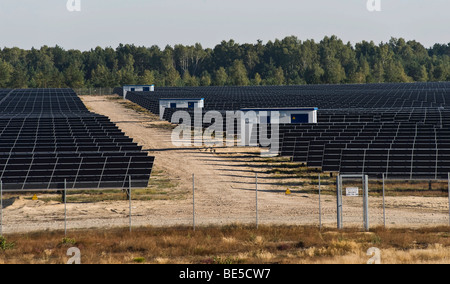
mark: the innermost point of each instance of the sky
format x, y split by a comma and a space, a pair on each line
107, 23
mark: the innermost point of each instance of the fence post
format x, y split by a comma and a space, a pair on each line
256, 183
366, 203
339, 202
384, 204
1, 208
65, 207
129, 196
193, 201
449, 195
320, 205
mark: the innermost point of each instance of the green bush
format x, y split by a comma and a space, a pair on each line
68, 241
4, 244
139, 259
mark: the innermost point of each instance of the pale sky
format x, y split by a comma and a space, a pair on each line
33, 23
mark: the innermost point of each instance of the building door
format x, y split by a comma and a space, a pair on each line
173, 105
299, 118
191, 104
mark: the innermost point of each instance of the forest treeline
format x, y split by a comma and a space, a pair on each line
289, 61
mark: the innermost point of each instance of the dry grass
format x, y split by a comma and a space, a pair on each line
231, 245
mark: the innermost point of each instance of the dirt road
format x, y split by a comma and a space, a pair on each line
225, 190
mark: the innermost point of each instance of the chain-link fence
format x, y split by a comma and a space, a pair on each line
94, 91
256, 201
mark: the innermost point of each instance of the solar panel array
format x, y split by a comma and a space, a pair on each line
399, 130
373, 96
47, 137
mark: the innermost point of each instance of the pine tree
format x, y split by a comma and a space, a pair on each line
6, 71
220, 77
148, 78
238, 74
205, 79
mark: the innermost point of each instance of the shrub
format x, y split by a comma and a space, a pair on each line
68, 241
4, 244
139, 259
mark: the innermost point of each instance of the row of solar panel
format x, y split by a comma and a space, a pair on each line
391, 96
47, 136
80, 173
389, 118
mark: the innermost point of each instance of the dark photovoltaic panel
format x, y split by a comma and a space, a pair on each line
400, 130
47, 136
325, 97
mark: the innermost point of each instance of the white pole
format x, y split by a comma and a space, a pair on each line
339, 202
449, 195
65, 208
366, 203
193, 201
320, 205
129, 196
384, 204
256, 180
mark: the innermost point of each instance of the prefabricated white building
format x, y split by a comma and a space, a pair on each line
187, 103
286, 115
137, 88
250, 118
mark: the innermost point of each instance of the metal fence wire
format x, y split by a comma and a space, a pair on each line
389, 203
94, 91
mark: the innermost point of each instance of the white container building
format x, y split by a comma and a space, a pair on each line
137, 88
186, 103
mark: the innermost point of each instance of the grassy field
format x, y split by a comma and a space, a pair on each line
234, 244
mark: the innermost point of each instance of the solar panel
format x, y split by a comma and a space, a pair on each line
47, 136
399, 122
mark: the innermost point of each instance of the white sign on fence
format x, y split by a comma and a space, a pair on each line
352, 191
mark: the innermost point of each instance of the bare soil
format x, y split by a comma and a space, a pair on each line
225, 183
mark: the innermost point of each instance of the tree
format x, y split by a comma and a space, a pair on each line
172, 77
103, 77
238, 74
314, 74
148, 78
279, 77
74, 76
190, 81
205, 79
19, 78
220, 77
440, 72
334, 72
6, 71
395, 73
275, 77
363, 73
378, 73
225, 54
282, 61
42, 80
127, 76
257, 80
